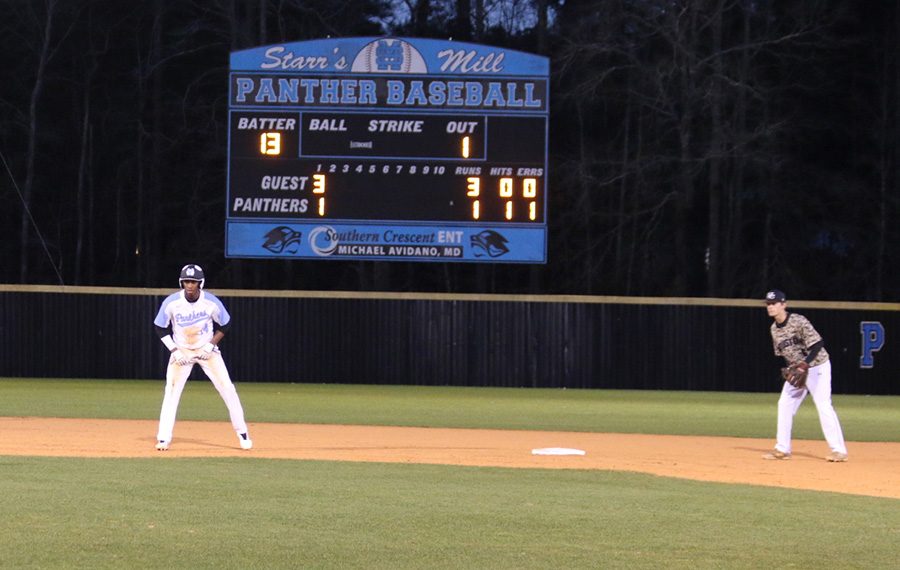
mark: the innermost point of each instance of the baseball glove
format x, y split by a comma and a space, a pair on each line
795, 374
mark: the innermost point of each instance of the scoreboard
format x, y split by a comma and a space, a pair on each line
387, 148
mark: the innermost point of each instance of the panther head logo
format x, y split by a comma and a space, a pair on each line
489, 242
282, 239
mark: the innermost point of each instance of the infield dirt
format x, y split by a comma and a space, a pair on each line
873, 469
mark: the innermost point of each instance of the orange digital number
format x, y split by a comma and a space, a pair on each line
318, 183
473, 190
318, 187
529, 188
473, 185
270, 144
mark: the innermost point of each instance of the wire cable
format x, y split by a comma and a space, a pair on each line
31, 218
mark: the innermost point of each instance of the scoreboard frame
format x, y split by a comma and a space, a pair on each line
387, 148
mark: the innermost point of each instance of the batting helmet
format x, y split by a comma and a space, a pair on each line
191, 272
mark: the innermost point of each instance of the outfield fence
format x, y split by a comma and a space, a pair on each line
444, 339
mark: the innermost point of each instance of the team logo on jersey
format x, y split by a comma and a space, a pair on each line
194, 317
490, 243
389, 56
282, 240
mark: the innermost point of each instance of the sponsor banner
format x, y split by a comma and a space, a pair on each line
386, 242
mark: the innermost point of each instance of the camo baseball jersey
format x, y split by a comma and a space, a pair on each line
792, 339
192, 323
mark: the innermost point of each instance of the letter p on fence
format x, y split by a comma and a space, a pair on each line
872, 333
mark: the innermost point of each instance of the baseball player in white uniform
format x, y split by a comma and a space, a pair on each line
794, 338
197, 320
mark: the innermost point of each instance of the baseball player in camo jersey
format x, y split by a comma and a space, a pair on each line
794, 339
198, 321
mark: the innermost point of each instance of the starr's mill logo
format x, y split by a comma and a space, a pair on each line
389, 56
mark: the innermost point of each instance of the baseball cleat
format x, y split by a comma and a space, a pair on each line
836, 457
777, 455
246, 442
162, 445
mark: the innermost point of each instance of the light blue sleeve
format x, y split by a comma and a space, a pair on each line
224, 317
162, 317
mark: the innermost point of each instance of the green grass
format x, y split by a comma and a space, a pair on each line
248, 512
864, 418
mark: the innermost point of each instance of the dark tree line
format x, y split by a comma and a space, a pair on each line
698, 148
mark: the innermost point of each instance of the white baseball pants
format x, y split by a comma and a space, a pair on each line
176, 379
818, 384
